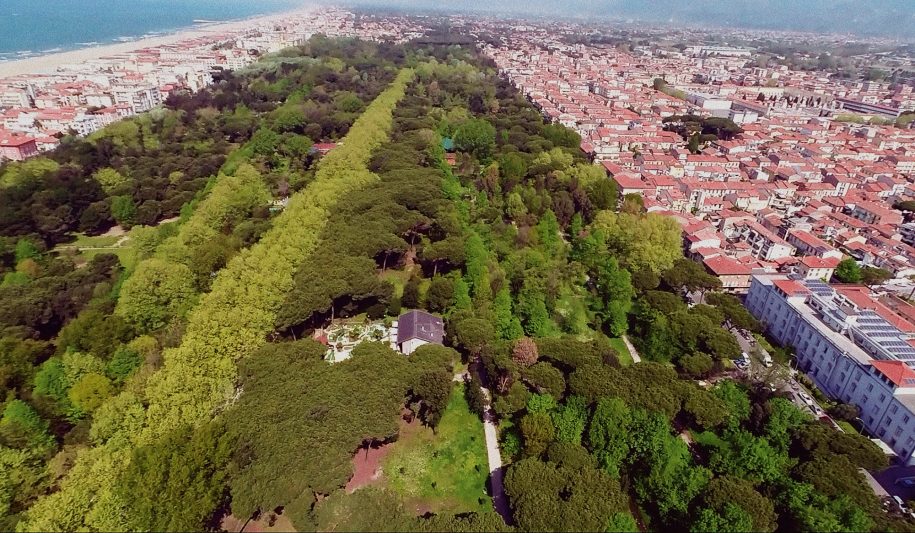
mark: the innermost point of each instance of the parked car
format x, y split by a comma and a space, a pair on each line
907, 482
806, 398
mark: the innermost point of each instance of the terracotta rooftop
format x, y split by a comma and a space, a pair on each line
896, 371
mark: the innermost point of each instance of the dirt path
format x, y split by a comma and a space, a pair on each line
367, 466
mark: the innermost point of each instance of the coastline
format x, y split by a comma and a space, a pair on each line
49, 63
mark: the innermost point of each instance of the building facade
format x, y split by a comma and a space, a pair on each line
845, 343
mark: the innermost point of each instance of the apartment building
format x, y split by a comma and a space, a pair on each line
764, 244
849, 345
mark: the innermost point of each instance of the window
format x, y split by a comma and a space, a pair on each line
905, 419
894, 409
897, 432
882, 398
870, 387
886, 421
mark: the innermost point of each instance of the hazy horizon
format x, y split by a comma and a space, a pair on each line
887, 18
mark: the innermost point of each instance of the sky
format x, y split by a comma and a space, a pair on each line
892, 18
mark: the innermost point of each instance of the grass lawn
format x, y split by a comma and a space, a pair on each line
100, 241
84, 248
620, 347
398, 279
126, 254
846, 426
778, 354
445, 471
707, 438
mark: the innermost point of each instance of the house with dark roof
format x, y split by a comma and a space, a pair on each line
416, 328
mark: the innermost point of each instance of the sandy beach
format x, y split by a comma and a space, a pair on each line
49, 63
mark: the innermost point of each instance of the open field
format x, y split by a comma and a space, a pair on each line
444, 470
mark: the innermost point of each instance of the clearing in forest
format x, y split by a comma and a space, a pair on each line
445, 470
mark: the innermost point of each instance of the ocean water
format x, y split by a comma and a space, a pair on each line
35, 27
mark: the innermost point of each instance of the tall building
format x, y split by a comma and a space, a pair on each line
853, 347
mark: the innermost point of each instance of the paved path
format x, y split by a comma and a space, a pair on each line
632, 351
495, 461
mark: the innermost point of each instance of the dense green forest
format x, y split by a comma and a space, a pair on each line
178, 389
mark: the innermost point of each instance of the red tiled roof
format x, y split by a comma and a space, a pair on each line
896, 371
722, 265
812, 261
790, 287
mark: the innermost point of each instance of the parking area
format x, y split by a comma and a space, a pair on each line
887, 480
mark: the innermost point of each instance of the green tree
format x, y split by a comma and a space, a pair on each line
123, 363
410, 297
622, 522
728, 490
477, 137
21, 427
608, 434
462, 294
531, 305
614, 290
642, 242
553, 497
477, 268
750, 457
538, 432
26, 249
507, 324
548, 233
90, 391
123, 210
110, 179
735, 314
697, 365
264, 142
440, 295
474, 334
848, 271
686, 275
570, 420
872, 276
177, 483
784, 418
157, 292
515, 207
736, 401
729, 518
546, 378
603, 194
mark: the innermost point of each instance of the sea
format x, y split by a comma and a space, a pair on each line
30, 28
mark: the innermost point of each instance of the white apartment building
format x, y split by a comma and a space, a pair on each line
764, 244
845, 345
908, 233
139, 98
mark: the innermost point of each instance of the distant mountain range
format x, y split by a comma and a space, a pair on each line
888, 18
